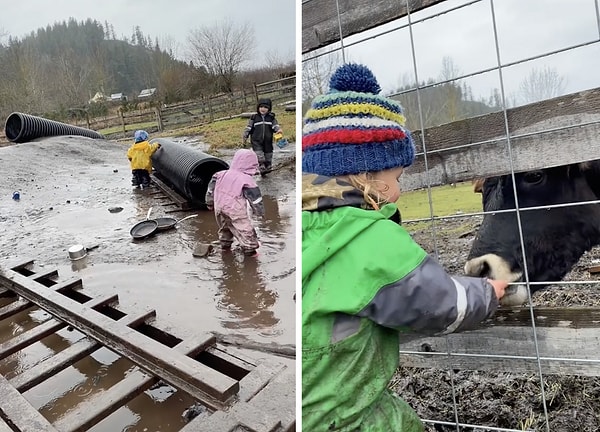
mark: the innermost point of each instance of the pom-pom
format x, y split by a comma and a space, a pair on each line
354, 77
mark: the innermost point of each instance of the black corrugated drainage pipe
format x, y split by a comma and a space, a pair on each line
21, 127
187, 169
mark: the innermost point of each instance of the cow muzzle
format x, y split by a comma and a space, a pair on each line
492, 266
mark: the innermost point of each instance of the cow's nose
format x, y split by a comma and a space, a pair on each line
478, 267
491, 266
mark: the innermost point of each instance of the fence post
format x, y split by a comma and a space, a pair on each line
255, 92
122, 117
210, 110
159, 121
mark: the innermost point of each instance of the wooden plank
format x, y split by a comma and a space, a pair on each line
198, 380
256, 380
29, 337
33, 335
241, 341
272, 409
20, 412
320, 18
14, 308
51, 366
563, 317
4, 427
20, 305
44, 275
173, 195
567, 345
102, 404
550, 133
6, 293
20, 264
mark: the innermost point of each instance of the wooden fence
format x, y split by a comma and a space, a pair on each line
282, 92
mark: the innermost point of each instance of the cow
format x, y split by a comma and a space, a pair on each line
554, 239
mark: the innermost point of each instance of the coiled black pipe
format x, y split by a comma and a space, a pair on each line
21, 127
188, 170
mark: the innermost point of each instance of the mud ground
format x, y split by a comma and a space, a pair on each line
503, 399
67, 186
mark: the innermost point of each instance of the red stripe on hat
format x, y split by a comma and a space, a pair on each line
352, 136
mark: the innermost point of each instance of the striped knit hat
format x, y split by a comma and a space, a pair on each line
352, 129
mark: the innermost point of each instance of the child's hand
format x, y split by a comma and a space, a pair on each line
210, 208
499, 287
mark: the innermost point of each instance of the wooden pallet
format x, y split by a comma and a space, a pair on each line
171, 197
237, 392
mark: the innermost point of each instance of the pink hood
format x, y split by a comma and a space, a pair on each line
228, 188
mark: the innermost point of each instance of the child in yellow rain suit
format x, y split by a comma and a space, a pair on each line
140, 156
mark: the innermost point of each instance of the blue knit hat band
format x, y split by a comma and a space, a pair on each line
336, 160
352, 129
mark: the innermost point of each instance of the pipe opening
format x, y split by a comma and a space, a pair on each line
13, 127
200, 177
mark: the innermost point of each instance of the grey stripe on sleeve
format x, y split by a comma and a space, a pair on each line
461, 306
344, 326
428, 300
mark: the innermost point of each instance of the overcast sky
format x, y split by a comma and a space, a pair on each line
274, 22
525, 29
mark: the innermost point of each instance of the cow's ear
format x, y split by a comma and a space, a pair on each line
591, 171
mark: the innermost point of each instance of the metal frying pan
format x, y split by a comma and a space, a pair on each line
165, 223
145, 228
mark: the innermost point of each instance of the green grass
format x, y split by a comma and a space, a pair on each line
446, 201
222, 134
128, 127
226, 134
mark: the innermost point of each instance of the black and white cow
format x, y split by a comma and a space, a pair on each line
554, 239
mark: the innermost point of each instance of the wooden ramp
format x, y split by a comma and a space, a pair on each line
234, 391
169, 197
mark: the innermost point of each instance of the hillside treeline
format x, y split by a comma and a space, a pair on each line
56, 70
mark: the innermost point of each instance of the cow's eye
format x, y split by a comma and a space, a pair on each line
533, 177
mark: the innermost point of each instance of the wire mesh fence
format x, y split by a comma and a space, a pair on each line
503, 91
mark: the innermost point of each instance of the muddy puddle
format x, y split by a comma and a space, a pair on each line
66, 186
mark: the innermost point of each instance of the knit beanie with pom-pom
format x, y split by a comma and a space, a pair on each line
352, 129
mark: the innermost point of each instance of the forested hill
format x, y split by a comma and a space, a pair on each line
62, 66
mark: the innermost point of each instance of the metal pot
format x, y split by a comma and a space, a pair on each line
76, 252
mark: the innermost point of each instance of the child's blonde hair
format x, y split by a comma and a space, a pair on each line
368, 185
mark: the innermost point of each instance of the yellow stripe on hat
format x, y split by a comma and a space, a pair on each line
354, 109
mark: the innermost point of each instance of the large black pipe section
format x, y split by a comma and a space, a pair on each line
21, 127
186, 169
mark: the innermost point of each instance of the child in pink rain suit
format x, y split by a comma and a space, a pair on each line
229, 193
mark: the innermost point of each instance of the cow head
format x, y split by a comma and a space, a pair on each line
554, 239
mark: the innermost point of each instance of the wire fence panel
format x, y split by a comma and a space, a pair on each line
502, 98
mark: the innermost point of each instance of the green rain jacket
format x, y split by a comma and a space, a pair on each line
363, 280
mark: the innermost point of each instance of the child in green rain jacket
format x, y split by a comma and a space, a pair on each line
363, 277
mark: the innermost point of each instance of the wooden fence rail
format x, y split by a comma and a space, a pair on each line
554, 132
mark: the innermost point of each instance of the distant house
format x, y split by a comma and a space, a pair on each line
147, 93
118, 97
98, 97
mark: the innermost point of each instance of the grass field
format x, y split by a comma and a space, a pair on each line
221, 134
228, 133
446, 201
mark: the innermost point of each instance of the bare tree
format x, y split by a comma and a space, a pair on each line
222, 49
541, 85
315, 76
